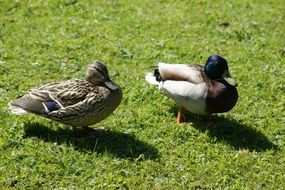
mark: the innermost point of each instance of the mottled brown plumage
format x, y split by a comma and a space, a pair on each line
77, 102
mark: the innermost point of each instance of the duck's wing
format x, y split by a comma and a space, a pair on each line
78, 110
186, 84
51, 97
26, 104
66, 93
193, 73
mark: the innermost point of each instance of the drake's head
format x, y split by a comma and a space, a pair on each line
97, 73
216, 68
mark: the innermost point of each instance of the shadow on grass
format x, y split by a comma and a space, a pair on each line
118, 144
231, 132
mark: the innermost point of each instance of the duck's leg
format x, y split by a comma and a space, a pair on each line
74, 132
209, 118
93, 130
86, 131
179, 114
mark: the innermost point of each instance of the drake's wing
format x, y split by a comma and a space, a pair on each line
182, 72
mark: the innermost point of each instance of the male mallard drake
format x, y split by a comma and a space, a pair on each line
77, 102
200, 89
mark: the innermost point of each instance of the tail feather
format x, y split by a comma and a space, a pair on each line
27, 104
17, 110
154, 78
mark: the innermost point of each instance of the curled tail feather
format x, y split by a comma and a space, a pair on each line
154, 78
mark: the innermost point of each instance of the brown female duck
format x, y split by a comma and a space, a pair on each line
77, 102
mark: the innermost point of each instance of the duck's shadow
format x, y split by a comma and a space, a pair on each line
120, 145
231, 132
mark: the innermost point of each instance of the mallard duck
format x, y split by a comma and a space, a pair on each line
77, 102
200, 89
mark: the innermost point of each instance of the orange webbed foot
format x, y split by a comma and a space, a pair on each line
179, 114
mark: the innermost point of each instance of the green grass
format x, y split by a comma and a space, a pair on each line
143, 147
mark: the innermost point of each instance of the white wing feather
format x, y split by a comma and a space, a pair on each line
188, 73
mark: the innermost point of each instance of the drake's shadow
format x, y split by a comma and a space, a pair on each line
120, 145
231, 132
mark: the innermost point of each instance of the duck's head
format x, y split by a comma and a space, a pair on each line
216, 68
97, 74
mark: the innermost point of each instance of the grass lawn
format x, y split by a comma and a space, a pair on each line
143, 147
